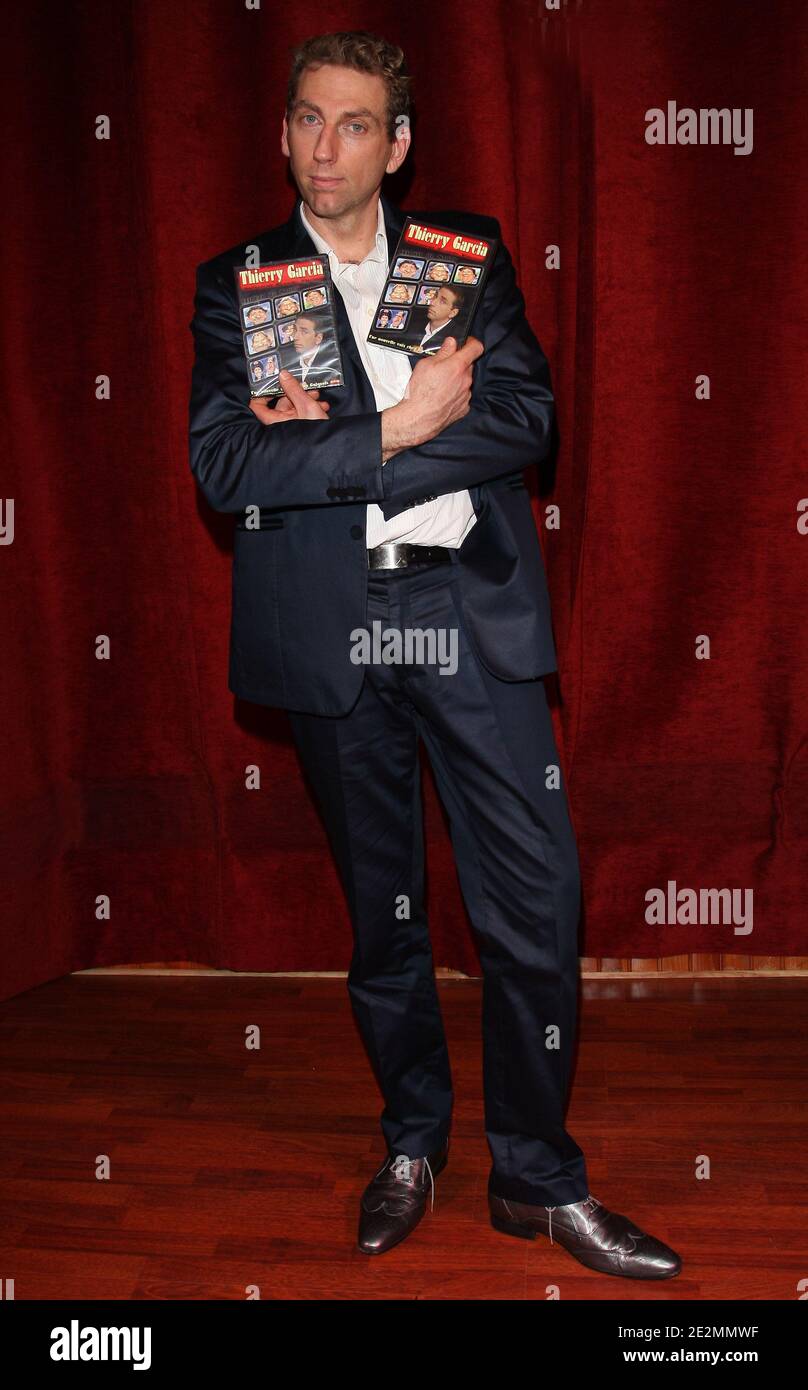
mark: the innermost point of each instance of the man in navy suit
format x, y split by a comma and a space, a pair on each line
445, 310
395, 508
317, 355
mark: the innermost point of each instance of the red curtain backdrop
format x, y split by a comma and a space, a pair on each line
678, 516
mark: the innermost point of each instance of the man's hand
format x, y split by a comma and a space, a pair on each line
439, 394
295, 404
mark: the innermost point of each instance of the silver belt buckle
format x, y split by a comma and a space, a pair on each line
387, 555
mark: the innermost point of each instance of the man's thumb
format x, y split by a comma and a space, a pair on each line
291, 386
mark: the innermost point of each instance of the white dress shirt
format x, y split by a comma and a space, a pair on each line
448, 520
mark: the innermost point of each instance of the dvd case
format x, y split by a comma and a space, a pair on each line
434, 283
288, 321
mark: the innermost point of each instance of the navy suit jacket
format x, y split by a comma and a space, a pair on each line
300, 577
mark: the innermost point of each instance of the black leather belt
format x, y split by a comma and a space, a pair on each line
395, 555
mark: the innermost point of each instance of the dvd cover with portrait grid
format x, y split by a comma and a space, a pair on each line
433, 286
288, 321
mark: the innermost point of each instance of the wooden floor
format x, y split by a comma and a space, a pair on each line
231, 1168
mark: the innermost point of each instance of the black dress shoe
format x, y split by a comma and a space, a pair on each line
395, 1200
602, 1239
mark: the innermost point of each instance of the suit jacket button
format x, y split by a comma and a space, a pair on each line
356, 532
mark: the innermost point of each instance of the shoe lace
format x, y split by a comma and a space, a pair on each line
401, 1168
591, 1201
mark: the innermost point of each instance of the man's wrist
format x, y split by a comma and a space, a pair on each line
397, 431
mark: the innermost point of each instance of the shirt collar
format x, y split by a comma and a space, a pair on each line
378, 251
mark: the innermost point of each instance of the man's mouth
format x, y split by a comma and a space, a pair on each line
322, 181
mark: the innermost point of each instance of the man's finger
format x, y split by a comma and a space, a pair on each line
305, 407
472, 348
292, 388
271, 415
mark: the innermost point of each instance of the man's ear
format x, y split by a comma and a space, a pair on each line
401, 144
285, 138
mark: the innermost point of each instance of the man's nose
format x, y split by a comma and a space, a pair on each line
326, 144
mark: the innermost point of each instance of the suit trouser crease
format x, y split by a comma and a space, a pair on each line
489, 742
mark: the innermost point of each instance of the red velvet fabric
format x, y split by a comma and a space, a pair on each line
126, 777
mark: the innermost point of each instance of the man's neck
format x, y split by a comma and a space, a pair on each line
353, 234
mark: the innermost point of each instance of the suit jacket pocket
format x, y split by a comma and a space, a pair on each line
269, 521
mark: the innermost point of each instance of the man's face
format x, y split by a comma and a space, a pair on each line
442, 307
336, 139
306, 339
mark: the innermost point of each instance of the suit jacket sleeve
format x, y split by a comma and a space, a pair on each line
236, 459
510, 419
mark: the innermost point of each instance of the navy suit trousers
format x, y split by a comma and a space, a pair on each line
492, 749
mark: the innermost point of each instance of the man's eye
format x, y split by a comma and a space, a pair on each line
309, 117
357, 126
